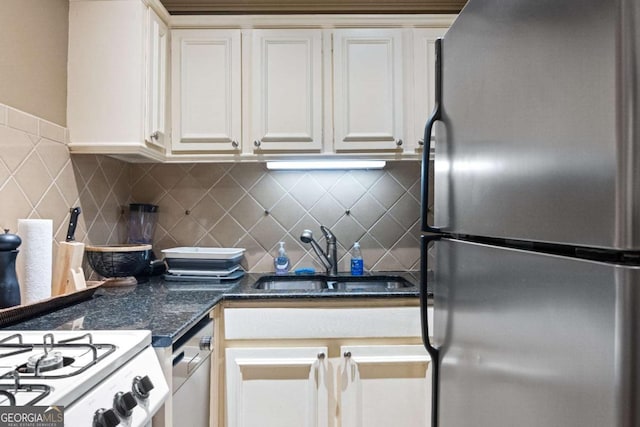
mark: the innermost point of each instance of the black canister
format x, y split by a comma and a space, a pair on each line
9, 287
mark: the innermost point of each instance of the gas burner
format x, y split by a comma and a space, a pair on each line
49, 358
44, 362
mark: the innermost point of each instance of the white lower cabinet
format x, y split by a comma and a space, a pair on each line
354, 373
384, 385
366, 386
277, 386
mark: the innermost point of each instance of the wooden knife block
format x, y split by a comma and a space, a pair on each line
68, 275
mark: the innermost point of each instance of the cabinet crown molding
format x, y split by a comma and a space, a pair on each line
312, 21
176, 7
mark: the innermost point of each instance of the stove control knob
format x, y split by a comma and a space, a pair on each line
206, 343
105, 418
142, 386
124, 403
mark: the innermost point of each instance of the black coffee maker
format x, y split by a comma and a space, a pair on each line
143, 218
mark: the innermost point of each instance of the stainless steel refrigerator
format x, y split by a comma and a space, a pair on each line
535, 240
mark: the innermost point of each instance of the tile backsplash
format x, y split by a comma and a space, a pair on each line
39, 179
245, 205
228, 205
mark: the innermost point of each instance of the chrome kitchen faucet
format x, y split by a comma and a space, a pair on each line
329, 258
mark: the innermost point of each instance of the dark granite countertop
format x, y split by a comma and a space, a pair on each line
169, 309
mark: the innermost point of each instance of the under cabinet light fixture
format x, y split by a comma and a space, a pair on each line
326, 164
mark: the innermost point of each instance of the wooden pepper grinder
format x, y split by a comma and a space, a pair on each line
9, 287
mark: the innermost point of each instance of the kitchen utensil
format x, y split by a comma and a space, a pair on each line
119, 263
9, 287
68, 275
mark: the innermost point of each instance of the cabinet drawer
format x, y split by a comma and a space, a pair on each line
305, 323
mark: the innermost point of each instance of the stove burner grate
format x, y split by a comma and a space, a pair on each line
51, 358
37, 392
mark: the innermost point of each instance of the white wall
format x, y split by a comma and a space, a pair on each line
33, 57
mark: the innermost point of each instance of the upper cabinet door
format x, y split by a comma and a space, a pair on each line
157, 63
206, 98
286, 90
368, 89
424, 40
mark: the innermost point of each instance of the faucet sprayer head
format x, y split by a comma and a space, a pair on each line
306, 236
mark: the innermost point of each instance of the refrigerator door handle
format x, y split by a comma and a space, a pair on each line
424, 294
435, 115
433, 351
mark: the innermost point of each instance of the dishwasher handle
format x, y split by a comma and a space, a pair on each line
186, 363
191, 351
177, 358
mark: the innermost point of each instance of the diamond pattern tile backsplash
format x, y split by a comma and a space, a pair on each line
228, 205
245, 205
39, 179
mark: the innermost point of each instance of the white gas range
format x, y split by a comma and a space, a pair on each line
101, 378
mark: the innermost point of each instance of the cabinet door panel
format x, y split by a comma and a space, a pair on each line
424, 79
368, 92
385, 385
157, 62
287, 90
278, 387
206, 90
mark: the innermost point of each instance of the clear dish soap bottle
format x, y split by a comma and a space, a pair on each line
357, 264
281, 262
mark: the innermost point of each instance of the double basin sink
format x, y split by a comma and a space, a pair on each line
338, 283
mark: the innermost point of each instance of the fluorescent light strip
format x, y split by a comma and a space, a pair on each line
326, 164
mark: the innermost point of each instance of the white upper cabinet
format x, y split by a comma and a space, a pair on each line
116, 83
206, 95
424, 40
286, 90
368, 97
157, 63
146, 86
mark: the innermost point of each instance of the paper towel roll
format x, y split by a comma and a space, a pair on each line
35, 259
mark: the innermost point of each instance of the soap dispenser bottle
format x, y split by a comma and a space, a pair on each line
281, 262
9, 287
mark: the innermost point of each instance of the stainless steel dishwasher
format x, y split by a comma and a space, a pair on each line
192, 376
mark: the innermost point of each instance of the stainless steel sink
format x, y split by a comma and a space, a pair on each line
289, 283
340, 283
